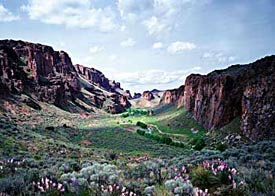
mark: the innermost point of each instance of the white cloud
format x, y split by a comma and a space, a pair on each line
231, 58
158, 16
151, 77
207, 55
122, 28
226, 59
130, 7
219, 56
178, 46
154, 26
113, 57
6, 15
96, 49
128, 43
71, 13
157, 45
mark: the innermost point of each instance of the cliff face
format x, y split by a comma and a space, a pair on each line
13, 78
96, 77
41, 59
240, 90
49, 76
258, 105
148, 95
173, 96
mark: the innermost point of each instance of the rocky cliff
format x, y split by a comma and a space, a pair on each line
98, 78
240, 90
173, 96
49, 76
148, 95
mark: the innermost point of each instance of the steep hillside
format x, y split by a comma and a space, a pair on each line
49, 76
173, 96
240, 90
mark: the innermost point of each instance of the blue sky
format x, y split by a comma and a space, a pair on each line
146, 44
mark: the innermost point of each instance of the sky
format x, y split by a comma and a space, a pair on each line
146, 44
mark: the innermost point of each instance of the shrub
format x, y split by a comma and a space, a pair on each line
202, 177
199, 144
166, 140
221, 147
93, 177
260, 182
149, 191
140, 132
125, 115
141, 124
179, 187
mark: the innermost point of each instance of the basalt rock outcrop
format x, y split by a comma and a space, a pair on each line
49, 76
97, 77
148, 95
240, 90
173, 96
128, 94
136, 95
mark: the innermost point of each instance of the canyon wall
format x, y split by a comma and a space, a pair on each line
240, 90
49, 76
217, 98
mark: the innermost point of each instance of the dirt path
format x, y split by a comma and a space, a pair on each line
164, 133
132, 128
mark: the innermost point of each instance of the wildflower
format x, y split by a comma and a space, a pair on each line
47, 180
206, 164
183, 169
242, 183
41, 188
234, 184
59, 186
47, 186
221, 167
233, 171
186, 178
110, 188
123, 189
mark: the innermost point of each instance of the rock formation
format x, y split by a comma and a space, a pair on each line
128, 94
49, 76
96, 77
136, 95
148, 95
240, 90
173, 96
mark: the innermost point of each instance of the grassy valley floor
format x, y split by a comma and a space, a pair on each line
54, 152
